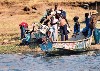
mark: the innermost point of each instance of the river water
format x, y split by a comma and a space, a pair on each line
89, 61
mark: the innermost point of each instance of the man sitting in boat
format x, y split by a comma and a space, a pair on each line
54, 28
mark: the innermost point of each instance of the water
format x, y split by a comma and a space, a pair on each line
89, 61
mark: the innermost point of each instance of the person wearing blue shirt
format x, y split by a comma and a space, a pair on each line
87, 21
76, 25
27, 39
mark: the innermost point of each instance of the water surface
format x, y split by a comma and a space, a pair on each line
28, 62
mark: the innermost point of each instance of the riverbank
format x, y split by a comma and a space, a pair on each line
14, 48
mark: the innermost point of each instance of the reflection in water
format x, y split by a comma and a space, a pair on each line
89, 61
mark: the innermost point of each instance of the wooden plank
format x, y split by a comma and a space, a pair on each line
64, 41
71, 41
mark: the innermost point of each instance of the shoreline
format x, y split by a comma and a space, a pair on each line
16, 49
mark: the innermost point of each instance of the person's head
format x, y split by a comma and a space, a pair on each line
60, 9
63, 17
86, 15
48, 11
94, 18
27, 31
76, 19
93, 13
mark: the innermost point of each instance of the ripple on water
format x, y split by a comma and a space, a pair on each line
27, 62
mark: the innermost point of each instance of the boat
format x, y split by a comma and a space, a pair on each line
76, 43
79, 45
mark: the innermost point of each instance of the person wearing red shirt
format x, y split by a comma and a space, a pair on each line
23, 26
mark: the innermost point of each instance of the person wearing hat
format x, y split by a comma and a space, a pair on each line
76, 25
23, 26
92, 24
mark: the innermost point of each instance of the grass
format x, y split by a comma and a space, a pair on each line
9, 49
15, 48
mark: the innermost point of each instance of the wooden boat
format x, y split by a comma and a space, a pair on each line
76, 43
79, 45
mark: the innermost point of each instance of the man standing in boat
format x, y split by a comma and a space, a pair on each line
87, 21
92, 25
63, 28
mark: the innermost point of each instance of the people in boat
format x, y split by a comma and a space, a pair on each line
92, 24
23, 26
53, 24
87, 21
76, 25
63, 28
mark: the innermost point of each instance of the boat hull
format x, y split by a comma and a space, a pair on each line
79, 45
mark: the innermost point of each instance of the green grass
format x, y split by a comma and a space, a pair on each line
9, 49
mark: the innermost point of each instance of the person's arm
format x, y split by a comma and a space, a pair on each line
48, 17
31, 31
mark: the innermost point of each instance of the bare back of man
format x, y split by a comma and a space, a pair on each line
62, 22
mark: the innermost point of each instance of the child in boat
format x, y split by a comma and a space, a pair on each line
76, 25
87, 21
